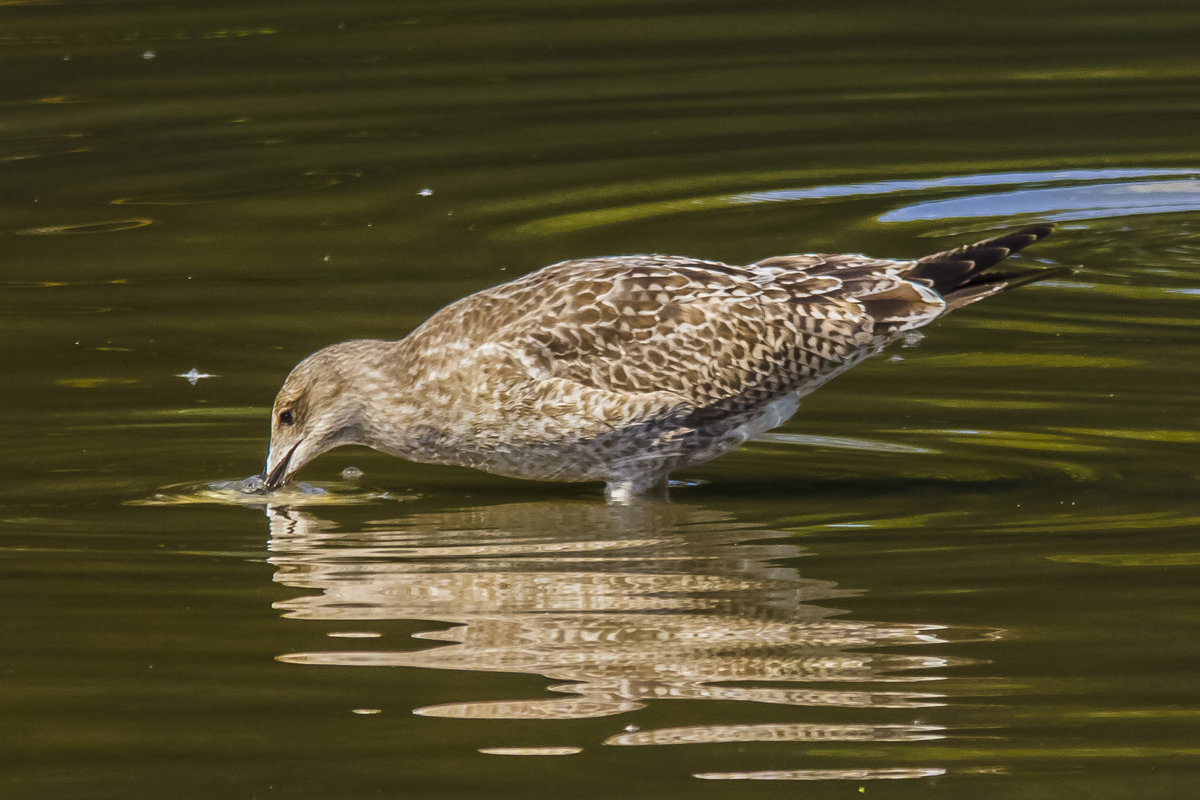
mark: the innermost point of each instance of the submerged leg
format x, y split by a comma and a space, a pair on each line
619, 493
660, 490
622, 493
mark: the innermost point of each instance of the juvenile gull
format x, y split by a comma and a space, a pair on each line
621, 369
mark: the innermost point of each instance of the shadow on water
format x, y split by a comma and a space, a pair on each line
620, 607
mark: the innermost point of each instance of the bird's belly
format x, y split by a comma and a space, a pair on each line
642, 452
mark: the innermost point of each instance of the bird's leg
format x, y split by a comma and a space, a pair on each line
619, 493
622, 493
661, 490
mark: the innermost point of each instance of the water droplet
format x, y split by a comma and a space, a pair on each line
193, 376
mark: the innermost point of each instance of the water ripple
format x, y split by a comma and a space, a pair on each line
892, 773
1050, 194
1061, 203
75, 229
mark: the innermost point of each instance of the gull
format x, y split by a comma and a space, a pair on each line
622, 369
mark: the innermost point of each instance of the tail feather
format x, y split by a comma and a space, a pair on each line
963, 275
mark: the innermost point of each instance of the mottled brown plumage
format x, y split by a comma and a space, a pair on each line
621, 369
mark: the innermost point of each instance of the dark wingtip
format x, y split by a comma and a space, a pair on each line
991, 283
1019, 240
965, 274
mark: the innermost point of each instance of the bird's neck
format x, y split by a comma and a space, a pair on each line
406, 410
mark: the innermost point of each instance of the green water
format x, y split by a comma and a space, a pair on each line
968, 566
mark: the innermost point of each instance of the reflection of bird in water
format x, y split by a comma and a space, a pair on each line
621, 369
618, 605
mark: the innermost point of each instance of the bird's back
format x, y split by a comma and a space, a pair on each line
623, 368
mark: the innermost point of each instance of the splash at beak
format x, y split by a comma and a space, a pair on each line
278, 475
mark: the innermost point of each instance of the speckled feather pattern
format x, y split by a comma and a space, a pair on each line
622, 369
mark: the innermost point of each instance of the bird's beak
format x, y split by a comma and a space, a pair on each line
276, 476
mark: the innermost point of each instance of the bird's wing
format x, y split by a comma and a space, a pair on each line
714, 338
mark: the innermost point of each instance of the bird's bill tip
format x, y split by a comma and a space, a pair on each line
276, 475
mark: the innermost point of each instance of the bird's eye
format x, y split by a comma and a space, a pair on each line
285, 417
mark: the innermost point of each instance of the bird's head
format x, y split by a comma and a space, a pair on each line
320, 407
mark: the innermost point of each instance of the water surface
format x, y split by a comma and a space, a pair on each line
968, 566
